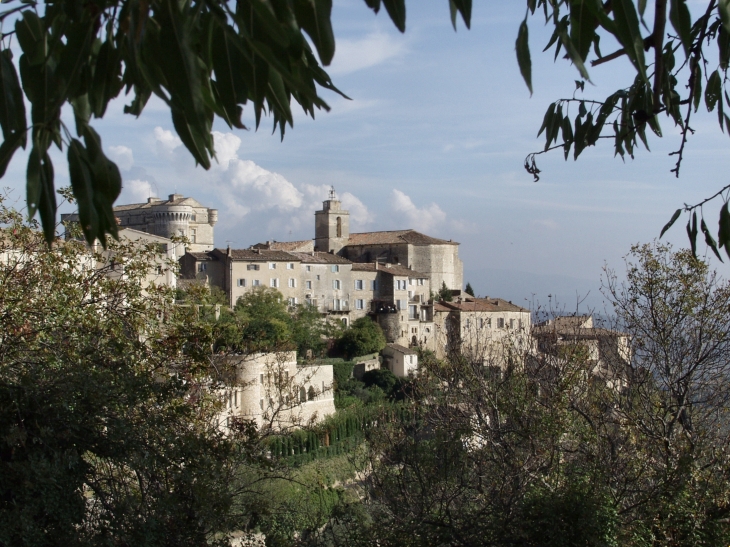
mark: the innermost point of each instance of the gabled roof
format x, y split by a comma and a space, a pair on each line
258, 255
304, 246
401, 349
411, 237
320, 258
480, 305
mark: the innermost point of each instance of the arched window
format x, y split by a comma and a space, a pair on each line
339, 226
302, 395
312, 394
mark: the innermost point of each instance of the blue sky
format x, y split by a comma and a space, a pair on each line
434, 139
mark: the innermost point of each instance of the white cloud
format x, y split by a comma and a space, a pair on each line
166, 141
122, 156
366, 52
138, 190
423, 219
359, 213
226, 146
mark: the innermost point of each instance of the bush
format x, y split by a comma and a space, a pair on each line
363, 337
342, 372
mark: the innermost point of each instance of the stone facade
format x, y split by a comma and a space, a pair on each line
273, 391
176, 216
401, 361
482, 329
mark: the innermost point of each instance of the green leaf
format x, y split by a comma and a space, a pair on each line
397, 11
709, 239
32, 37
697, 91
723, 234
40, 193
713, 92
82, 185
672, 220
582, 27
107, 184
692, 233
464, 8
628, 33
547, 119
723, 45
523, 57
314, 17
682, 22
8, 149
723, 10
12, 106
229, 66
574, 54
106, 83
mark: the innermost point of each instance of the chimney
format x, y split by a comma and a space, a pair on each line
228, 250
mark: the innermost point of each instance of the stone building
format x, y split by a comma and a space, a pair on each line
175, 216
273, 391
482, 329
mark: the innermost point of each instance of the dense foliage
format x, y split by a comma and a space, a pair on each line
106, 436
362, 338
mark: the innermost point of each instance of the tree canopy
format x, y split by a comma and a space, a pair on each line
679, 60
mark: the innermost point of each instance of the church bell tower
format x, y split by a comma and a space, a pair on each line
331, 225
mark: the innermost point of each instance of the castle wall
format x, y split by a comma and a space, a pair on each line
441, 262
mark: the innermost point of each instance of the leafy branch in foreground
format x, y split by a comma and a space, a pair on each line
203, 59
681, 63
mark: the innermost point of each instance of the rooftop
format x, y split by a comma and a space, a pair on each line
401, 349
480, 305
320, 258
304, 246
257, 255
396, 236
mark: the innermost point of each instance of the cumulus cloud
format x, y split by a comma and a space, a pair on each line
122, 156
226, 146
138, 190
424, 218
359, 214
365, 52
166, 141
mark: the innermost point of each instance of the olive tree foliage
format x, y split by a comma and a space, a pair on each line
106, 430
680, 61
202, 59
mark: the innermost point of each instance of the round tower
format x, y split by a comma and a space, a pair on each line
172, 220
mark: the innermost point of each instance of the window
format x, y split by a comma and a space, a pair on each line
411, 281
202, 267
272, 265
241, 283
373, 285
410, 295
193, 217
192, 235
308, 284
290, 266
401, 304
318, 278
253, 267
500, 323
358, 284
339, 227
489, 322
521, 325
468, 322
511, 323
292, 282
335, 268
255, 283
261, 379
359, 304
336, 304
420, 280
309, 268
412, 312
159, 270
274, 283
292, 301
261, 404
336, 284
481, 323
401, 284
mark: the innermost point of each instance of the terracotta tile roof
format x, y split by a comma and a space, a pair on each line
481, 305
440, 307
394, 237
320, 258
304, 246
363, 266
251, 255
202, 256
396, 269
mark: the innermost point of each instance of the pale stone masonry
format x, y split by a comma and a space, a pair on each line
176, 216
274, 391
